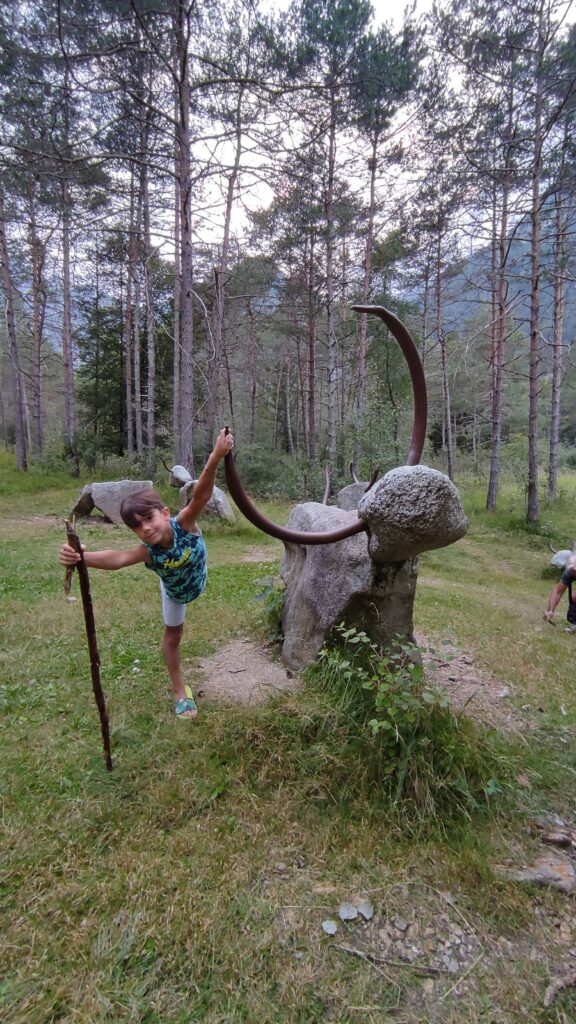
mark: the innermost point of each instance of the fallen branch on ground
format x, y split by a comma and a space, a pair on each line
556, 986
375, 959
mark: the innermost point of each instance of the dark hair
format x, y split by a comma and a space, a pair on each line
141, 504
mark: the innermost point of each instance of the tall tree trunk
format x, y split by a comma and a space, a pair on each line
3, 414
492, 490
426, 310
67, 350
37, 257
177, 345
302, 428
289, 437
444, 363
330, 327
17, 391
346, 390
182, 31
129, 320
311, 353
252, 370
150, 326
96, 375
535, 216
276, 405
557, 338
501, 326
363, 320
298, 409
229, 387
137, 368
220, 281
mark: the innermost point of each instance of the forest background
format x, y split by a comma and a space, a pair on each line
192, 195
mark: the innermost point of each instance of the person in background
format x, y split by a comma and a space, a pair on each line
565, 583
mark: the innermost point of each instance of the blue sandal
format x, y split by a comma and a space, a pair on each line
184, 706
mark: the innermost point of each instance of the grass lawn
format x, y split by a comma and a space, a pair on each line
191, 883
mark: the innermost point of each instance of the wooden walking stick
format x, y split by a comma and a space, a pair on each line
74, 542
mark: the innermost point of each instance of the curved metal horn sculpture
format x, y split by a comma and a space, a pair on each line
399, 332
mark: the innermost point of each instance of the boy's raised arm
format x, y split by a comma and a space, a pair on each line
205, 484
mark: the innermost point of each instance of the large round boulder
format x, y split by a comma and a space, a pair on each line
410, 510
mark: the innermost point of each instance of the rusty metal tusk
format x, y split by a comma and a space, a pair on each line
372, 481
410, 352
282, 532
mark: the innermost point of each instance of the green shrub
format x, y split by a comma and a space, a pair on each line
271, 597
271, 474
429, 762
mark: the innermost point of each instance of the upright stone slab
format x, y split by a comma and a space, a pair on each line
349, 496
85, 504
331, 583
179, 476
217, 506
107, 497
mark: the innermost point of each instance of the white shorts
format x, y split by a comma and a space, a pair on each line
173, 613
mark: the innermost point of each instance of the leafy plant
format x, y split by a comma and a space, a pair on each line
396, 680
271, 596
428, 759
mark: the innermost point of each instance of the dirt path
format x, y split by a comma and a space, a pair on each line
246, 671
471, 689
243, 671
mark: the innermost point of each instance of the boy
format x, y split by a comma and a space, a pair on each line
566, 580
174, 548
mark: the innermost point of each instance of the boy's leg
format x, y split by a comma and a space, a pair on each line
173, 632
171, 651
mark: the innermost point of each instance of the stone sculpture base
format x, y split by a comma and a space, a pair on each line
339, 582
368, 580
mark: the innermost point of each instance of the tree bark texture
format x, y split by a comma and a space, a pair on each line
330, 241
37, 258
363, 320
561, 225
67, 345
129, 322
184, 165
535, 357
16, 373
220, 282
501, 324
443, 363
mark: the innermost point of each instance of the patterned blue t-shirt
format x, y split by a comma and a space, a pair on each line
182, 568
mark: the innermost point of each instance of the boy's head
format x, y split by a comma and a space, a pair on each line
139, 505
